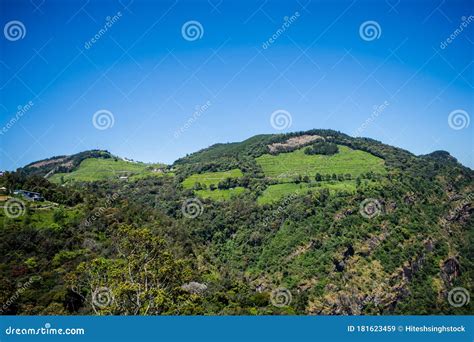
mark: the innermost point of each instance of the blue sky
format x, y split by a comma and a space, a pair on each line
169, 96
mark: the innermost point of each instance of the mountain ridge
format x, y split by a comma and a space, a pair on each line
230, 149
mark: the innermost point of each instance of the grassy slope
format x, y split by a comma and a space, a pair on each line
209, 178
278, 191
285, 166
41, 215
220, 195
94, 169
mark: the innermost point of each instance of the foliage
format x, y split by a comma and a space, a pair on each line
207, 178
144, 278
130, 241
321, 147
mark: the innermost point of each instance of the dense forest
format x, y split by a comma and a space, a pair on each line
313, 222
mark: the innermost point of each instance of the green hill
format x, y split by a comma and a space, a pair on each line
347, 161
96, 169
90, 166
58, 164
341, 225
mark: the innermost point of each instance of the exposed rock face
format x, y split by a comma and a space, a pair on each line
306, 285
344, 213
401, 292
367, 246
454, 197
366, 284
390, 207
349, 252
339, 265
461, 213
412, 267
450, 270
194, 287
404, 276
311, 245
429, 245
409, 199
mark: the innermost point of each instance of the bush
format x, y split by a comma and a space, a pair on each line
321, 147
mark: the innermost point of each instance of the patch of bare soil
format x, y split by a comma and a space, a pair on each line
48, 162
294, 142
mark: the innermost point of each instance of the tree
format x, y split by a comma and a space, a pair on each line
143, 279
59, 215
322, 147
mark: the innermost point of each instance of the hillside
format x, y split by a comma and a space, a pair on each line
89, 166
62, 163
313, 222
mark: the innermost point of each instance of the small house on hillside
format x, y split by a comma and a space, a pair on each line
29, 195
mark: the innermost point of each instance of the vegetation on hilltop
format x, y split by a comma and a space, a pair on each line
370, 229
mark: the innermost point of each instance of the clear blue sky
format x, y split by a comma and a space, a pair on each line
319, 69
